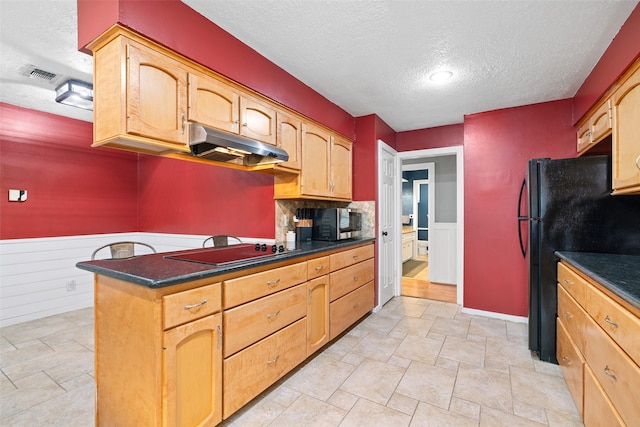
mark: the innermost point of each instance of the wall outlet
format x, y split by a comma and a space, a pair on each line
71, 285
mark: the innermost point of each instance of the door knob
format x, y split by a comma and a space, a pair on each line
384, 233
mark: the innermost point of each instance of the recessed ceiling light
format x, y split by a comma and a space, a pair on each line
441, 76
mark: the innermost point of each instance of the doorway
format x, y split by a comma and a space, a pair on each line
441, 274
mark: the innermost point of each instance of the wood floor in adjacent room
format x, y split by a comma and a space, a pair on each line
419, 286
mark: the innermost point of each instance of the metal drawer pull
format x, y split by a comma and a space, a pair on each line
272, 361
568, 282
355, 278
611, 322
219, 336
610, 373
637, 162
319, 267
355, 306
568, 315
273, 282
566, 360
189, 307
269, 316
355, 257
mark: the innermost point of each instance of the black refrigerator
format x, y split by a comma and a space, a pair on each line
565, 205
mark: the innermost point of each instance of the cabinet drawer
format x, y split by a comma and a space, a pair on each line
346, 280
244, 289
351, 307
622, 326
572, 363
248, 323
350, 257
247, 373
317, 267
572, 283
618, 375
601, 122
183, 307
598, 409
573, 317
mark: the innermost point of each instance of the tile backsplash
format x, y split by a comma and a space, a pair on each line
286, 210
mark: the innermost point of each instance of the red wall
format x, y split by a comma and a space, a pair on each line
177, 26
621, 53
497, 146
438, 137
72, 189
175, 196
369, 129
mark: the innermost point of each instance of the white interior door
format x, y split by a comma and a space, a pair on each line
387, 223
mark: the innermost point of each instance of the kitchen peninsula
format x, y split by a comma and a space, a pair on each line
188, 343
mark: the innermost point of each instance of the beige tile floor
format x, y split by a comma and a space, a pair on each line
414, 363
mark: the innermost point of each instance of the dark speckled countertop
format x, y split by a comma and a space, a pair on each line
156, 271
618, 273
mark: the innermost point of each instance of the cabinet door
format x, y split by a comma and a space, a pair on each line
316, 146
572, 363
598, 409
193, 373
257, 120
626, 136
317, 313
289, 138
340, 168
213, 103
156, 96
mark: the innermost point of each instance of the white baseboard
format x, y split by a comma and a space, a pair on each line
493, 315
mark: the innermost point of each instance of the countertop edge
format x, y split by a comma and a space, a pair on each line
580, 260
201, 271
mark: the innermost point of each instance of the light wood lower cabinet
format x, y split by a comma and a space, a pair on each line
193, 354
600, 334
249, 372
193, 369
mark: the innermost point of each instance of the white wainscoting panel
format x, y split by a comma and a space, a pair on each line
39, 277
442, 253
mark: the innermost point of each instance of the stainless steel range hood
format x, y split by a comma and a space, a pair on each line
212, 144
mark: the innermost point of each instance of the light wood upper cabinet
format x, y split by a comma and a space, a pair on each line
625, 144
289, 138
257, 119
223, 106
325, 171
316, 161
341, 168
140, 98
595, 128
213, 103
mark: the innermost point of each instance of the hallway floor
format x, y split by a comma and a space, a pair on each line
416, 362
419, 286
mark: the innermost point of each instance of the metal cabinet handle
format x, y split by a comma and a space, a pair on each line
355, 306
189, 307
269, 316
319, 267
355, 257
568, 315
219, 336
355, 278
273, 282
568, 282
566, 360
272, 361
184, 123
244, 125
610, 373
611, 322
638, 162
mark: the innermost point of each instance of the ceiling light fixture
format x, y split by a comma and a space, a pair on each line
75, 93
440, 76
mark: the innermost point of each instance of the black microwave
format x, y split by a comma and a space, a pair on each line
336, 224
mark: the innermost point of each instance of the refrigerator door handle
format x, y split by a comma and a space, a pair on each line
521, 218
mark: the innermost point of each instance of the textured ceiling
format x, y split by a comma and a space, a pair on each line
369, 57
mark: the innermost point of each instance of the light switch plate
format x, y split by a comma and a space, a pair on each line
17, 195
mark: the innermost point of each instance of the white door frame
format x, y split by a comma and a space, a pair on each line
395, 220
436, 152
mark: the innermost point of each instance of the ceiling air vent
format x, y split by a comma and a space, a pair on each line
32, 72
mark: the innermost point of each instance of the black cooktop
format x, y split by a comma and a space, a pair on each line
229, 254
